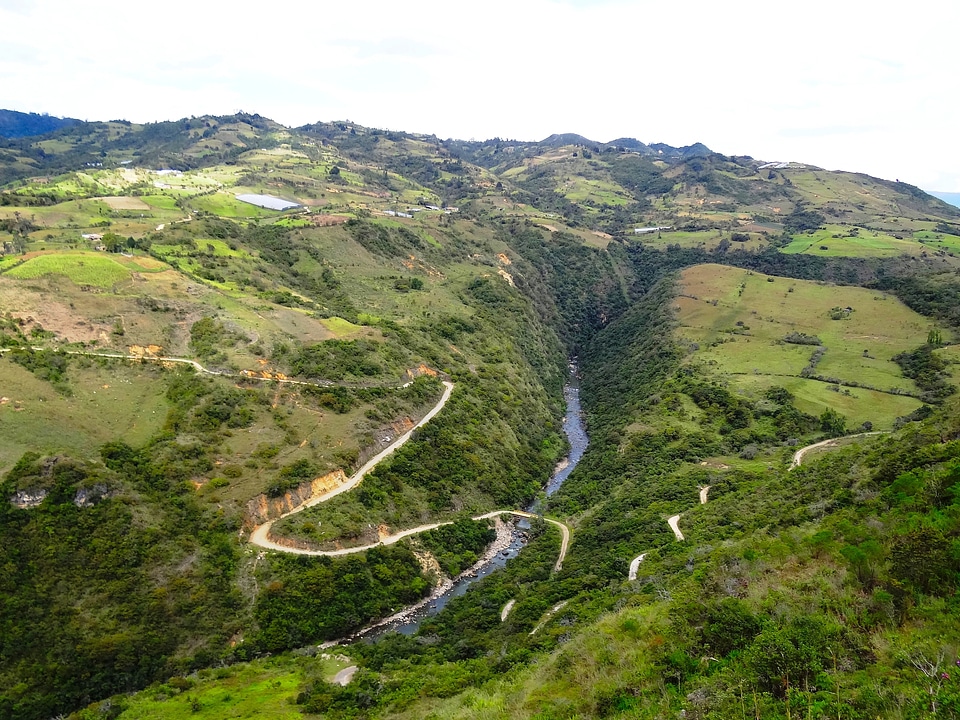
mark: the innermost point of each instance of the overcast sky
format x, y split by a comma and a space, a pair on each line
864, 86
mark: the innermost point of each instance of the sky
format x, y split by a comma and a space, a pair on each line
845, 85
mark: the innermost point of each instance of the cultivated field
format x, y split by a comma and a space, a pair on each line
95, 269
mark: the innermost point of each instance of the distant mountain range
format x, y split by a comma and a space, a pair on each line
15, 124
658, 149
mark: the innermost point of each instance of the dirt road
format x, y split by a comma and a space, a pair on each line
672, 522
344, 677
635, 566
832, 442
261, 535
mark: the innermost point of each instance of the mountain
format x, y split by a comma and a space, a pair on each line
15, 124
629, 144
687, 151
765, 354
567, 139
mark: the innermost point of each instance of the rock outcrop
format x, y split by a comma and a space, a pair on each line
263, 508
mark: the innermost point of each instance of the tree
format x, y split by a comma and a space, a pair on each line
922, 558
113, 242
833, 423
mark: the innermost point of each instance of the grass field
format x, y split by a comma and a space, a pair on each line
219, 248
838, 241
736, 321
81, 268
226, 205
709, 239
162, 202
259, 689
116, 400
340, 327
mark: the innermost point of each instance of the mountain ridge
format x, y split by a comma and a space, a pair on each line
16, 124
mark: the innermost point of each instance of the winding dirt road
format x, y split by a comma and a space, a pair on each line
832, 442
261, 534
635, 566
672, 522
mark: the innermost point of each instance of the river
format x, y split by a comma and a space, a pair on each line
577, 437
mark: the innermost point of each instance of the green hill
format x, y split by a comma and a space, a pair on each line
183, 363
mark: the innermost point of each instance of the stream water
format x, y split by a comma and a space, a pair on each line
577, 436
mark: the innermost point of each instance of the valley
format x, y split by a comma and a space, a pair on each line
264, 388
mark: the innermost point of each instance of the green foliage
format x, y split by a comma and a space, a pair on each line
209, 338
290, 476
314, 599
832, 423
338, 359
88, 610
928, 371
386, 241
46, 365
798, 338
803, 219
456, 547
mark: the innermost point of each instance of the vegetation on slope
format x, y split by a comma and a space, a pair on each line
374, 280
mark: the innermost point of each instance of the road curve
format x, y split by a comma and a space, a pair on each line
564, 530
798, 455
672, 522
703, 494
260, 535
344, 677
635, 566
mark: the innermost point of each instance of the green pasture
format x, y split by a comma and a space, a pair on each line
708, 239
340, 327
81, 268
602, 192
951, 354
161, 202
258, 689
290, 222
219, 248
108, 401
734, 322
865, 243
858, 405
226, 205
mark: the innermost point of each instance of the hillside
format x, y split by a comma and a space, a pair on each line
15, 124
185, 362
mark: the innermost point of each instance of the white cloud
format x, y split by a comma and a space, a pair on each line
838, 84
